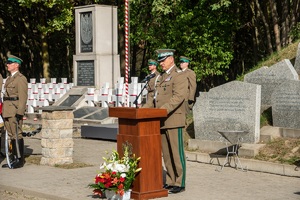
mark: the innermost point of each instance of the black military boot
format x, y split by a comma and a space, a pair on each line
2, 142
19, 162
13, 155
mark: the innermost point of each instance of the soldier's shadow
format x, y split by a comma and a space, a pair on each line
27, 152
2, 158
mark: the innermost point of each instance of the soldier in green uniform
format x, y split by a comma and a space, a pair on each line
152, 66
190, 100
14, 105
2, 131
191, 76
170, 93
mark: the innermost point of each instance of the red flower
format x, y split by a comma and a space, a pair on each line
121, 192
122, 179
121, 186
115, 181
97, 179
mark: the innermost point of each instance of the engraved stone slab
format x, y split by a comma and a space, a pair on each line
85, 73
270, 78
234, 106
297, 60
286, 105
86, 32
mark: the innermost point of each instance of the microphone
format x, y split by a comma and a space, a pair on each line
147, 78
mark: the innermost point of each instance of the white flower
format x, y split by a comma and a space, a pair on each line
120, 168
103, 165
123, 175
110, 166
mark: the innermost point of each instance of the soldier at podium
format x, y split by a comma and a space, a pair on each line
171, 88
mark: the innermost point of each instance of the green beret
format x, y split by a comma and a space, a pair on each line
152, 62
14, 59
164, 53
184, 59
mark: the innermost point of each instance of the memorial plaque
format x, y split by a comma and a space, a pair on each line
94, 113
286, 105
70, 100
85, 73
233, 106
100, 115
86, 32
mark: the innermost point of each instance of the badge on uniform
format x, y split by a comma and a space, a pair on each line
169, 78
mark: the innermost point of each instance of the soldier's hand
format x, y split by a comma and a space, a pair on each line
19, 117
190, 102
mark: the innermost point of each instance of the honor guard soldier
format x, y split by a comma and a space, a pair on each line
170, 93
191, 76
14, 105
2, 131
152, 66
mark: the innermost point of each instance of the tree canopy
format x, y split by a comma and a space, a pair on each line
224, 38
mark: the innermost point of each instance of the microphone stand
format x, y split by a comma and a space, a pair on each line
136, 99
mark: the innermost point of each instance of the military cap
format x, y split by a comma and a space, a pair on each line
14, 59
184, 59
164, 53
152, 62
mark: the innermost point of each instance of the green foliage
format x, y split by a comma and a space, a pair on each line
295, 32
198, 30
62, 16
220, 36
266, 118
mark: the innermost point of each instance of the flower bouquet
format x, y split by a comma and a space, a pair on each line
118, 173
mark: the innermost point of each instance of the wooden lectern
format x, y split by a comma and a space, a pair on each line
141, 128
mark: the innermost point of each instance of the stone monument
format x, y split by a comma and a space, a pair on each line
297, 60
270, 78
286, 105
233, 106
97, 60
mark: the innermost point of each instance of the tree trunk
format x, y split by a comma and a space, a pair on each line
285, 23
45, 57
267, 28
275, 20
294, 13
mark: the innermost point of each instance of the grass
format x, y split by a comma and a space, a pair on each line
281, 150
288, 52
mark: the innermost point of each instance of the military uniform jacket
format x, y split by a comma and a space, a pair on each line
151, 85
171, 91
1, 82
191, 76
15, 86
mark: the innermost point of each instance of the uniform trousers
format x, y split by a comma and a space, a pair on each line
174, 156
10, 124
